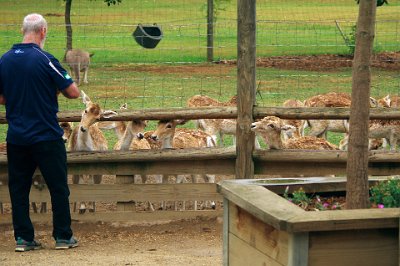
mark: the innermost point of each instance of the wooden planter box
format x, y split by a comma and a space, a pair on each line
262, 228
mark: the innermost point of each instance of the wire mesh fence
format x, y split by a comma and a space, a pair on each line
303, 48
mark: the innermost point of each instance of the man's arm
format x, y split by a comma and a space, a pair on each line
72, 92
2, 99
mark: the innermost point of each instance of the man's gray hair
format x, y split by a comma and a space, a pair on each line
33, 23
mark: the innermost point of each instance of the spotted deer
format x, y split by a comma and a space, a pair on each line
88, 137
216, 128
394, 101
134, 139
380, 131
320, 128
293, 122
67, 128
119, 127
270, 129
169, 137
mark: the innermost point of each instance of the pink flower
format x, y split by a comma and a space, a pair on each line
334, 207
326, 205
381, 206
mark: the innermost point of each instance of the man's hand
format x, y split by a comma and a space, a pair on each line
2, 99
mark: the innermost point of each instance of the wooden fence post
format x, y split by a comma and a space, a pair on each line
246, 87
210, 30
125, 206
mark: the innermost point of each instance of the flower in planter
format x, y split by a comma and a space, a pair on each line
386, 193
380, 206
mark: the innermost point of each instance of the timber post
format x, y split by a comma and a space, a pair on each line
246, 87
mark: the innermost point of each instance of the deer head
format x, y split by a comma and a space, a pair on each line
92, 113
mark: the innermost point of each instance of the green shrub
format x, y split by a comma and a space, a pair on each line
298, 197
386, 194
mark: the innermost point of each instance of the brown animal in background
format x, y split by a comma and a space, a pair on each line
3, 147
119, 127
215, 127
67, 128
319, 128
331, 99
293, 122
88, 137
170, 137
270, 127
79, 61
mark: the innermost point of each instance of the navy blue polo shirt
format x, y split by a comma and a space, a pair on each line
29, 80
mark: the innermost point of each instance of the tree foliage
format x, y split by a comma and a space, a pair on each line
112, 2
219, 5
378, 2
68, 24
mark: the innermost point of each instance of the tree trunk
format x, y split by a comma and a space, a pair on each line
68, 25
357, 194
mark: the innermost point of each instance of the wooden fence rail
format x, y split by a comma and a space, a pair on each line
220, 161
230, 112
185, 161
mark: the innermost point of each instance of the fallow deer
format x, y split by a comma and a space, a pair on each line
169, 137
293, 122
67, 128
270, 128
119, 127
320, 128
386, 130
216, 128
88, 137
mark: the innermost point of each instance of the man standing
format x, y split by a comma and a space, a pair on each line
30, 81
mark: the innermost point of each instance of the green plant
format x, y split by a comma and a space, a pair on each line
386, 194
351, 40
219, 5
298, 197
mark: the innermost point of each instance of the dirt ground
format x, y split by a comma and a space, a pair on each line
384, 60
193, 242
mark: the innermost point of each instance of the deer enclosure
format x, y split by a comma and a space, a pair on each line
302, 50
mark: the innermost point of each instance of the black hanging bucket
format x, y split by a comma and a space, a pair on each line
148, 36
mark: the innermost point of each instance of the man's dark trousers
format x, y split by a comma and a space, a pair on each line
50, 157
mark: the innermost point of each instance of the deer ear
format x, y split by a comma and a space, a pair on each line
288, 128
388, 100
85, 98
108, 114
373, 102
180, 121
